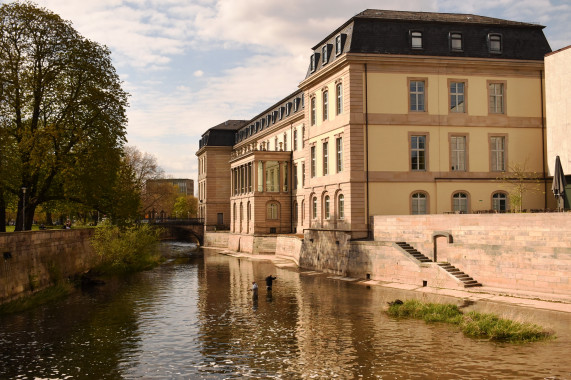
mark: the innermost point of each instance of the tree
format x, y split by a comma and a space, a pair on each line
519, 181
185, 206
62, 112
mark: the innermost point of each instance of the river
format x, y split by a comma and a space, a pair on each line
196, 319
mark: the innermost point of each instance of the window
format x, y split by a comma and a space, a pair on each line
285, 142
460, 203
302, 174
295, 139
457, 97
495, 43
295, 103
325, 105
496, 94
288, 108
418, 152
338, 44
456, 42
314, 208
417, 95
313, 111
418, 204
260, 176
326, 207
272, 176
303, 136
325, 158
312, 63
295, 213
272, 210
285, 177
498, 153
499, 202
458, 153
312, 161
294, 176
281, 113
302, 211
324, 55
341, 206
276, 144
339, 148
339, 90
416, 40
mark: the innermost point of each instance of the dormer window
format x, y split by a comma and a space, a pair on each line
416, 40
288, 108
313, 62
495, 43
295, 104
456, 42
259, 126
268, 119
339, 44
324, 55
281, 114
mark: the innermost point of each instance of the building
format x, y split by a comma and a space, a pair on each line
185, 186
399, 113
558, 112
215, 148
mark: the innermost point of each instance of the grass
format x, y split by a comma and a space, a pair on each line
472, 324
41, 297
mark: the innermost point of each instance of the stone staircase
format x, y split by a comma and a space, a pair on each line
465, 279
413, 252
468, 281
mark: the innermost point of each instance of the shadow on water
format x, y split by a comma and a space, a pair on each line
197, 318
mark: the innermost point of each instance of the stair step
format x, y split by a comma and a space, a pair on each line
472, 285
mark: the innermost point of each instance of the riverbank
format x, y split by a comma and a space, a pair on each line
534, 300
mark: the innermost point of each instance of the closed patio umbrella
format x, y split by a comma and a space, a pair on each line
558, 186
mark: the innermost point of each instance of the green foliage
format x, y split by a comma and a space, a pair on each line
518, 180
62, 113
473, 324
491, 326
185, 206
126, 249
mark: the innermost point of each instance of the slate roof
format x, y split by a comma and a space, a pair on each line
388, 32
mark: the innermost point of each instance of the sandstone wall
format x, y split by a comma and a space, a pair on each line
32, 260
514, 251
289, 247
216, 239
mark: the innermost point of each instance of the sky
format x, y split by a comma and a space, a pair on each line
191, 64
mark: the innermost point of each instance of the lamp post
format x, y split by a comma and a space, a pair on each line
23, 208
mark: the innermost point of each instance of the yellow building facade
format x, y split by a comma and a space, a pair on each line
400, 113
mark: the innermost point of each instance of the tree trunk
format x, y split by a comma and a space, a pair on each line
2, 213
28, 216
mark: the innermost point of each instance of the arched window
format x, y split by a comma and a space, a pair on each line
302, 211
460, 202
272, 210
326, 207
341, 206
314, 208
500, 201
249, 211
418, 205
295, 212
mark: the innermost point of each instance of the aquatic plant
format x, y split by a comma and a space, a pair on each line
472, 324
50, 294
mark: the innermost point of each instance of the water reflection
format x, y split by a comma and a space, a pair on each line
199, 319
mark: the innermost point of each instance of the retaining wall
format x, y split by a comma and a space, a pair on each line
32, 260
216, 239
514, 251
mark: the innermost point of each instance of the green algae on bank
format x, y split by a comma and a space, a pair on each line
47, 295
472, 324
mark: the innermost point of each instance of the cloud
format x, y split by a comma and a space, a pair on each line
254, 51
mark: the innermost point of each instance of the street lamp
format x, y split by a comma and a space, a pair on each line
23, 208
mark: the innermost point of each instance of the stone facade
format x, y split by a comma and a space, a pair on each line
32, 260
350, 143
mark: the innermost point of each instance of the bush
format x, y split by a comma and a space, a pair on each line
473, 324
127, 249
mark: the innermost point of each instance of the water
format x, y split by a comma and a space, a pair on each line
196, 319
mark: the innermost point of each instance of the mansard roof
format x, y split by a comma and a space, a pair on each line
389, 32
221, 134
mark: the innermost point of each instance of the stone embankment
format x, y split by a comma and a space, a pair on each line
32, 260
516, 253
